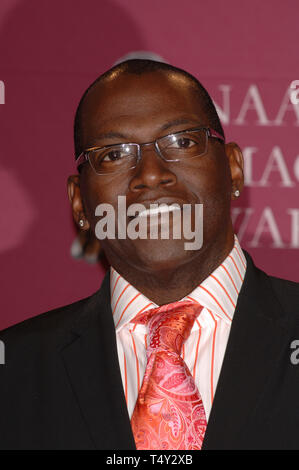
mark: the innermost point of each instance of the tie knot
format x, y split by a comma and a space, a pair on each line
169, 326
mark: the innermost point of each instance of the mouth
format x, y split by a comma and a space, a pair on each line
155, 208
163, 209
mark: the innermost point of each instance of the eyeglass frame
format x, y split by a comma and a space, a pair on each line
84, 156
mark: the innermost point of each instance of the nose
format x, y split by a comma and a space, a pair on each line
152, 171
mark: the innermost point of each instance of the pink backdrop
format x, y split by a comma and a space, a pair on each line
245, 53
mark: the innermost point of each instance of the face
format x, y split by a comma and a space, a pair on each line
140, 109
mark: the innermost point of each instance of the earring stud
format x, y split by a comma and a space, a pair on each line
237, 193
81, 222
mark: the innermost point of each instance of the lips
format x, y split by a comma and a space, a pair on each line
158, 206
158, 210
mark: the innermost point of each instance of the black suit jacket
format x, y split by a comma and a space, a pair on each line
61, 386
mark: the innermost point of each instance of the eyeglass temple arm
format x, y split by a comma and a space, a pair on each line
216, 134
81, 159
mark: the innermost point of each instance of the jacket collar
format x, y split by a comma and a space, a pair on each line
92, 366
258, 335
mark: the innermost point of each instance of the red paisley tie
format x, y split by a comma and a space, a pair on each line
169, 412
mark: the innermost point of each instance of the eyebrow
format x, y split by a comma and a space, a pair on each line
176, 122
110, 135
167, 125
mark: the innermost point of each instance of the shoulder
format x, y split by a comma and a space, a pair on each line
47, 320
272, 288
41, 330
57, 326
286, 291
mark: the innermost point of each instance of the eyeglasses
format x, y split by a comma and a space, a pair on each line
177, 147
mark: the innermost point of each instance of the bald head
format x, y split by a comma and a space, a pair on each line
139, 67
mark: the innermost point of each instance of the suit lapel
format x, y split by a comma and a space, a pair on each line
92, 366
255, 342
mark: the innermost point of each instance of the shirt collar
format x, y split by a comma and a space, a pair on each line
218, 292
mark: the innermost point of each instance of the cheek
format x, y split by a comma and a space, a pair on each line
212, 185
211, 180
97, 190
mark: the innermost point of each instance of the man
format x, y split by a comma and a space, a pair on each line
82, 376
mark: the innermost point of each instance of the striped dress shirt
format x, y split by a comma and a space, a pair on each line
203, 351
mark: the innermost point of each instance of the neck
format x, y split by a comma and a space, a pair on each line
167, 286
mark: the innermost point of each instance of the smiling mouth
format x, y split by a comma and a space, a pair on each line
155, 208
158, 210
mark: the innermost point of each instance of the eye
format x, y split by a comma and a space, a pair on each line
182, 143
113, 155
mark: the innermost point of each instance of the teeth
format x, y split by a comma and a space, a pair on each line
157, 210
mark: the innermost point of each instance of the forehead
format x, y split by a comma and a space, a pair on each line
135, 104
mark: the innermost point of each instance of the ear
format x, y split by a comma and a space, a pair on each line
236, 164
74, 194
